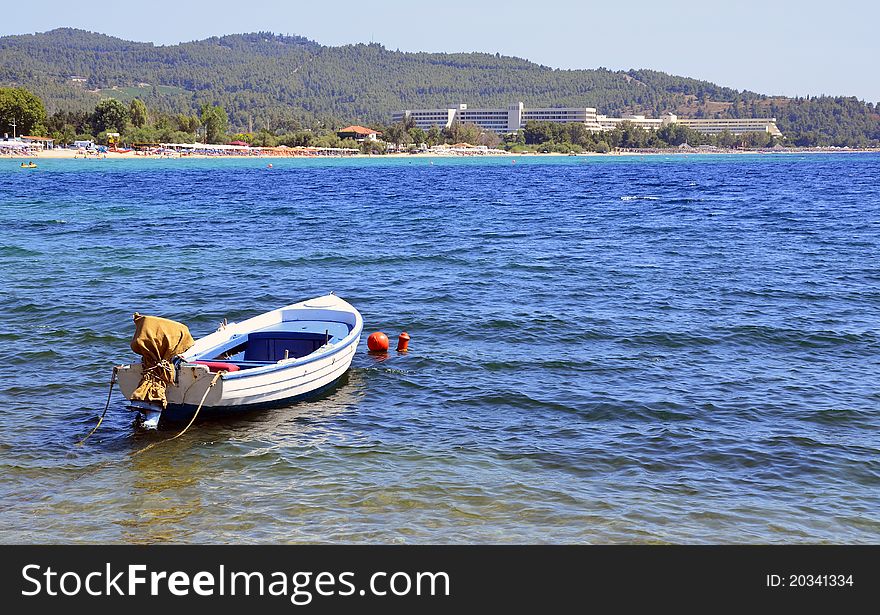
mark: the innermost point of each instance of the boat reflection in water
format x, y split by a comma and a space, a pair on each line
176, 493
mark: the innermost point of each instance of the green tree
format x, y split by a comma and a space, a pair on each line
264, 139
145, 134
726, 139
187, 123
247, 137
65, 123
464, 133
397, 134
578, 134
300, 138
110, 116
64, 136
514, 138
434, 136
536, 133
373, 147
627, 134
137, 110
20, 107
330, 139
755, 139
677, 134
215, 121
417, 134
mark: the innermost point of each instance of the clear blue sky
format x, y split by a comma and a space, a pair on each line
770, 46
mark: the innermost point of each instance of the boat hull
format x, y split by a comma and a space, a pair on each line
270, 385
181, 413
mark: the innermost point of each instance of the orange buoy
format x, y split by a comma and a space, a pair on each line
377, 342
403, 342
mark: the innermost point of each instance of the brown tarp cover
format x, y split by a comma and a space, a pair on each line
158, 341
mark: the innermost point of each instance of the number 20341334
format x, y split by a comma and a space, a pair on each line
809, 580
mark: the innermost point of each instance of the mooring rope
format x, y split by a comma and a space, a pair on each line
106, 406
191, 421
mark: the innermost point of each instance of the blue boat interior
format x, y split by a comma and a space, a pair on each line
286, 340
277, 345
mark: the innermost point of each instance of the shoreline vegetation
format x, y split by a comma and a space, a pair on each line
118, 130
71, 154
276, 85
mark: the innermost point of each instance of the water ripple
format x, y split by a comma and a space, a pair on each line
614, 349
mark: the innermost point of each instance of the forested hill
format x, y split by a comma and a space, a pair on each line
289, 81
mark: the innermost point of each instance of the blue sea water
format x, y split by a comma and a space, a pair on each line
608, 349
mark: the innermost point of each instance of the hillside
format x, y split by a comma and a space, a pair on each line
287, 81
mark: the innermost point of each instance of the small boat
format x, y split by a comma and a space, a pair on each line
267, 361
28, 165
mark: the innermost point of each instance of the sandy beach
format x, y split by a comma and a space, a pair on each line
60, 153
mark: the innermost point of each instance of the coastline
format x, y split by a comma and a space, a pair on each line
60, 154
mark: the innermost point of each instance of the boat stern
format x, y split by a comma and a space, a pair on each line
189, 387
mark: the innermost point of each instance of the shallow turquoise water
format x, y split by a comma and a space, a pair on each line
611, 349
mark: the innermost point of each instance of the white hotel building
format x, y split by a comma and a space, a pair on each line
515, 117
736, 126
501, 121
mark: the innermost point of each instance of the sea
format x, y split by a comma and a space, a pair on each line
605, 349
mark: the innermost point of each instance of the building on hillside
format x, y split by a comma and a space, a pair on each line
514, 117
358, 133
564, 115
735, 126
426, 118
500, 120
496, 120
610, 123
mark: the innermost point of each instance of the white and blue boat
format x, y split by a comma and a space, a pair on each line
267, 361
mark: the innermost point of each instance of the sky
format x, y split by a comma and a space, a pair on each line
773, 46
